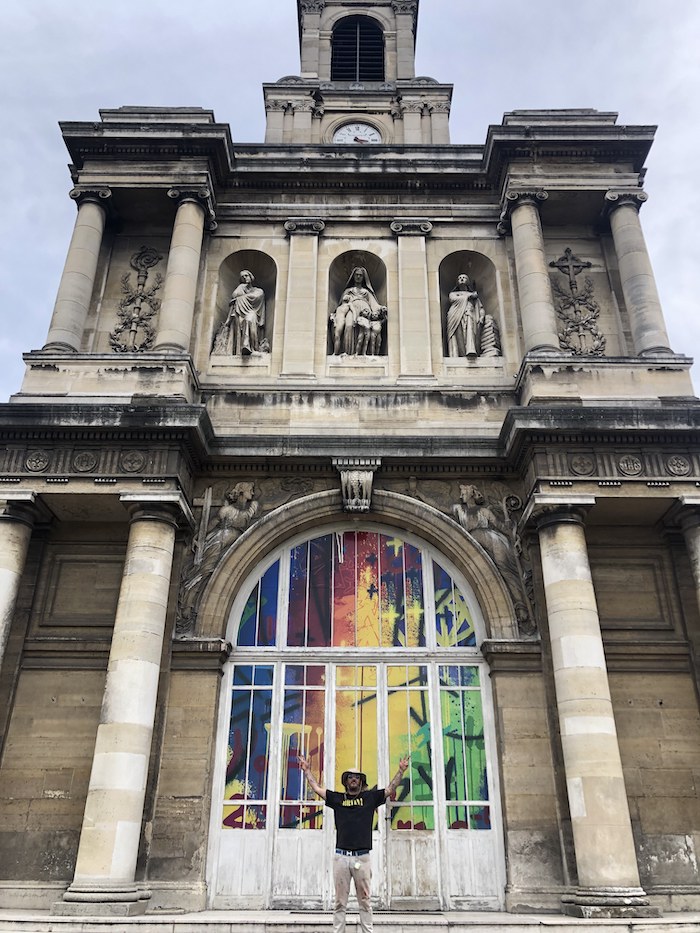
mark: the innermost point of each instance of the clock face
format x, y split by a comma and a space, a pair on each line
357, 133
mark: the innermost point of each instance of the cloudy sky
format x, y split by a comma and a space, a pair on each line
65, 61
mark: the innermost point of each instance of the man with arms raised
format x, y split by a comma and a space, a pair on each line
354, 815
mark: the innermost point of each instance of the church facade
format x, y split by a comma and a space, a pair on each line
353, 444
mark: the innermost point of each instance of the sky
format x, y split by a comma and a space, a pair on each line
66, 61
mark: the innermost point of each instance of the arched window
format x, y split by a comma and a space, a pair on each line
357, 50
355, 647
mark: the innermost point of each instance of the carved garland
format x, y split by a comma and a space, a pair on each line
134, 333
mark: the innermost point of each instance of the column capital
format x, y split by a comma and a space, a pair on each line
169, 507
18, 506
686, 511
405, 6
515, 197
308, 226
200, 195
632, 197
98, 194
311, 6
543, 510
410, 226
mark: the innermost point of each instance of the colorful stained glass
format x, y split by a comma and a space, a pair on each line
409, 734
356, 720
304, 708
258, 625
248, 747
453, 621
344, 580
463, 746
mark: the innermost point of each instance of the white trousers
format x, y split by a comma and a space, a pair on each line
345, 870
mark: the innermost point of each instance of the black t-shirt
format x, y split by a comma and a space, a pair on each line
354, 817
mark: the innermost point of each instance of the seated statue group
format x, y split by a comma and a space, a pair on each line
357, 323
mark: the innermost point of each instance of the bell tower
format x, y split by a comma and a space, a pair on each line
358, 83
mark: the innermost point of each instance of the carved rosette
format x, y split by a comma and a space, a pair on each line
411, 226
309, 226
201, 196
514, 199
356, 477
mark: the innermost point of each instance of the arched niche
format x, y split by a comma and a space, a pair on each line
339, 275
482, 277
264, 270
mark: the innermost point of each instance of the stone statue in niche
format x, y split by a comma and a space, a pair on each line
242, 333
498, 537
238, 511
358, 321
471, 332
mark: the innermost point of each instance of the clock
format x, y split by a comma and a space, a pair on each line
357, 133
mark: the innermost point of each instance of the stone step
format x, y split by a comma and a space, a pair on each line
16, 921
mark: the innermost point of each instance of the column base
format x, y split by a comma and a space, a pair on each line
96, 900
607, 903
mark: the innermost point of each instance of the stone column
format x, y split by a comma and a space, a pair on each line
412, 122
537, 314
303, 112
182, 273
440, 123
413, 313
16, 523
310, 26
636, 275
105, 871
274, 131
298, 350
78, 278
406, 12
606, 860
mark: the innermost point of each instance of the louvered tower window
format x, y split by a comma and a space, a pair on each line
358, 50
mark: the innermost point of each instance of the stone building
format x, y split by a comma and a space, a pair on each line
350, 444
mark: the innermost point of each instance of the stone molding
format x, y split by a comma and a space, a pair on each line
312, 6
411, 226
201, 195
405, 6
309, 226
